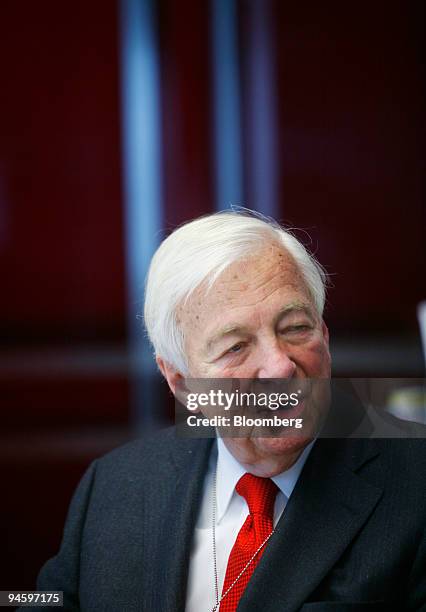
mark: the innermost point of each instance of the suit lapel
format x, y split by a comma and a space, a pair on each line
189, 461
328, 507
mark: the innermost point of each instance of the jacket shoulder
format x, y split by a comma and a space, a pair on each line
147, 457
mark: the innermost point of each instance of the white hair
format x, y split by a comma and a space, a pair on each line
198, 252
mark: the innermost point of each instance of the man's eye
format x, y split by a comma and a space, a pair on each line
236, 348
295, 329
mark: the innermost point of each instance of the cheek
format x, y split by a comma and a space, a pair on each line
321, 361
201, 371
243, 370
315, 358
227, 372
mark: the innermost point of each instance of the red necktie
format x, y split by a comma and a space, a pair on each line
259, 494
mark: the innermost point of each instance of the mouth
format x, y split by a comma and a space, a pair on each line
285, 412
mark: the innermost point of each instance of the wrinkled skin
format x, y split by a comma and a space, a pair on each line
257, 321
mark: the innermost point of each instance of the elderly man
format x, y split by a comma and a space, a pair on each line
254, 523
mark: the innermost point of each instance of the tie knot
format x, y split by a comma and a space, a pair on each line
259, 493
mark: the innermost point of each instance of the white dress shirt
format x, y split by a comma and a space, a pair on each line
232, 511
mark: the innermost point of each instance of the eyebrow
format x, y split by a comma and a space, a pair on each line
234, 328
294, 307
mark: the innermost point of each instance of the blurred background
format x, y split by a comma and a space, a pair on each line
122, 119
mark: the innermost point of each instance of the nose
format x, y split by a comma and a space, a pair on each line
276, 363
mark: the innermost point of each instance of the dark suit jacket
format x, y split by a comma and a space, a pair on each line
352, 536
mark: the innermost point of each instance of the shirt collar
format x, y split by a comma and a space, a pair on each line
229, 471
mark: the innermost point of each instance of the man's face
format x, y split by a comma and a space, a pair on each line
257, 321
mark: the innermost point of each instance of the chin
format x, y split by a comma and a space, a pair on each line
281, 446
267, 457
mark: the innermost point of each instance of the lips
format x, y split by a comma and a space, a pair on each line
284, 411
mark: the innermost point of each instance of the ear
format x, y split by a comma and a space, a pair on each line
170, 374
326, 337
325, 333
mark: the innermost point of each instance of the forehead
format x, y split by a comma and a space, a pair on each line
252, 283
